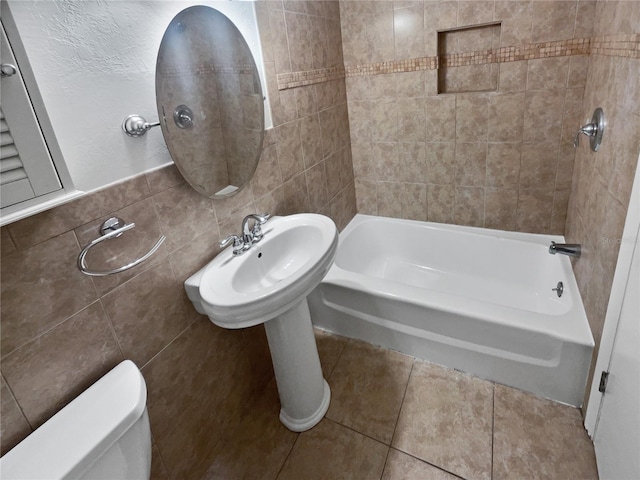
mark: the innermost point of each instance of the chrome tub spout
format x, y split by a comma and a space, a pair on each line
571, 249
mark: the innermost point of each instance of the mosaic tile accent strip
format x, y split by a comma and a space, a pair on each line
411, 65
309, 77
610, 45
617, 45
562, 48
208, 68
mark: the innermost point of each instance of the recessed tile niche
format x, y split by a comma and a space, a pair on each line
465, 59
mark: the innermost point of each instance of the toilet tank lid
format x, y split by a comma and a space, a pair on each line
75, 437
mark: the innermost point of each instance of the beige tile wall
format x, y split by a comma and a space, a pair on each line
497, 159
602, 181
62, 330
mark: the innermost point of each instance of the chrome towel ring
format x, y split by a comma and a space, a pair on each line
111, 228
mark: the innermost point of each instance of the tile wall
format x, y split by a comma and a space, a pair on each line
495, 159
602, 181
62, 330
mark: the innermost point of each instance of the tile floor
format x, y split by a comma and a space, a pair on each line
394, 417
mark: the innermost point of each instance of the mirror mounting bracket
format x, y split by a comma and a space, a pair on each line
183, 116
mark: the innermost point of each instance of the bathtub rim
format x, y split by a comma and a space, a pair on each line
570, 326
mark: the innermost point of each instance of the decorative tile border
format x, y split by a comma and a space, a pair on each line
563, 48
412, 65
309, 77
576, 46
617, 45
208, 68
610, 45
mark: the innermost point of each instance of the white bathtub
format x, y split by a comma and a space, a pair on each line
473, 299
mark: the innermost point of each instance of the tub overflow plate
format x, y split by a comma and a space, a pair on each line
559, 289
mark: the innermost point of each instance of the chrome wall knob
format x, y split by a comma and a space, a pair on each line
136, 126
8, 70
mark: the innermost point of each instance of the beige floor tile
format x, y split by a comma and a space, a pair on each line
537, 438
330, 347
367, 387
258, 447
401, 466
446, 419
330, 451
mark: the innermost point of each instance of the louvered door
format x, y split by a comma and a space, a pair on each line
15, 186
26, 168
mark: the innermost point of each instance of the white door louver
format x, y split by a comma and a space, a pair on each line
26, 168
14, 183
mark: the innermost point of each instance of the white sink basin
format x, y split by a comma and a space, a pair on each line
292, 258
269, 284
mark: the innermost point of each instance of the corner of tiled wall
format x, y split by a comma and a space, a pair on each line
602, 180
310, 140
502, 159
498, 159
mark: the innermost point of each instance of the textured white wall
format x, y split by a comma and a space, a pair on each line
94, 62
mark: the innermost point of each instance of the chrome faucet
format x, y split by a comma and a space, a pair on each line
571, 249
249, 236
254, 235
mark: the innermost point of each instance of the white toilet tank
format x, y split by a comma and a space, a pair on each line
103, 434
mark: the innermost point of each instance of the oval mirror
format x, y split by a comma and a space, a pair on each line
210, 101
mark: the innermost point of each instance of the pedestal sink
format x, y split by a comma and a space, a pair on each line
269, 284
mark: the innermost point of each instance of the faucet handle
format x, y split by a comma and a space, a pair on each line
238, 244
590, 130
261, 219
593, 130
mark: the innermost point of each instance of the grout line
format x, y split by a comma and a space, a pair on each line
286, 32
386, 459
404, 395
112, 329
575, 19
455, 152
49, 329
182, 332
288, 455
428, 463
398, 416
377, 440
15, 400
159, 455
91, 278
344, 347
493, 425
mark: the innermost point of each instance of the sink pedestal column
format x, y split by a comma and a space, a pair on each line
304, 393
